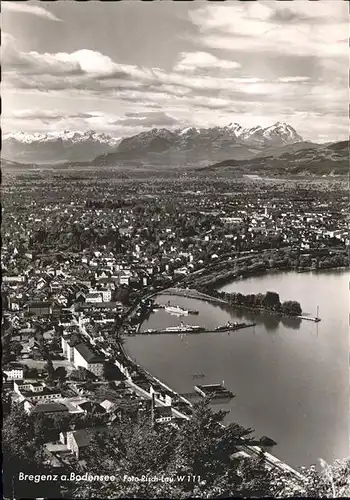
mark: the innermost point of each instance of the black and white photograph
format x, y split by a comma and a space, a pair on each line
175, 249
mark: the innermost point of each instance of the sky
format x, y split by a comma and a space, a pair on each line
125, 67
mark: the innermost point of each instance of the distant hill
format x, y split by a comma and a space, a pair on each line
309, 158
288, 148
8, 164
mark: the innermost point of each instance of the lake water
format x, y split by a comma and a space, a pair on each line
290, 377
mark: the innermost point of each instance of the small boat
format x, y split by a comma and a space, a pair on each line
192, 311
228, 326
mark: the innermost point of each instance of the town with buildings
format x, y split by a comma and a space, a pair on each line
80, 265
175, 248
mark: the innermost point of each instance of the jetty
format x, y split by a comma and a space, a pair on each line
216, 391
232, 327
310, 318
173, 330
196, 329
193, 294
315, 319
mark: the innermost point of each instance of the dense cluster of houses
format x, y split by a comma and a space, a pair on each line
70, 268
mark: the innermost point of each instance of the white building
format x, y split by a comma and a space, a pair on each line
94, 297
35, 391
162, 414
162, 396
106, 295
81, 355
13, 279
86, 358
14, 372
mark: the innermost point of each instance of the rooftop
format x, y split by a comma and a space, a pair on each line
88, 354
49, 407
163, 411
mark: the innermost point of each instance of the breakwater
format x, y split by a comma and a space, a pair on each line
179, 331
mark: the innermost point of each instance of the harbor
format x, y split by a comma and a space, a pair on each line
267, 403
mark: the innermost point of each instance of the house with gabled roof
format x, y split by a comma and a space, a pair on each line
78, 441
82, 355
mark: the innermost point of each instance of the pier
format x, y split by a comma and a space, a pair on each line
188, 329
216, 391
315, 319
192, 294
310, 318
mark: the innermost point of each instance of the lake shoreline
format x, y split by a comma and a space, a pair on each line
223, 281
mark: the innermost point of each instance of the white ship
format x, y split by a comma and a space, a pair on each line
176, 310
184, 328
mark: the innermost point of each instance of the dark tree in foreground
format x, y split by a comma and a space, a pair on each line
23, 453
197, 457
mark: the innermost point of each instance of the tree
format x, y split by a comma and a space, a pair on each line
60, 373
21, 451
31, 372
112, 372
200, 447
271, 300
17, 348
82, 374
6, 347
50, 369
330, 481
291, 307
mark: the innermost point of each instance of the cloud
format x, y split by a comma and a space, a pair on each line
294, 71
147, 120
87, 120
192, 61
81, 62
289, 79
47, 115
270, 27
26, 8
91, 70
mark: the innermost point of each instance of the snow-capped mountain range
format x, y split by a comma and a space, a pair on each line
55, 147
188, 144
280, 132
192, 145
63, 135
